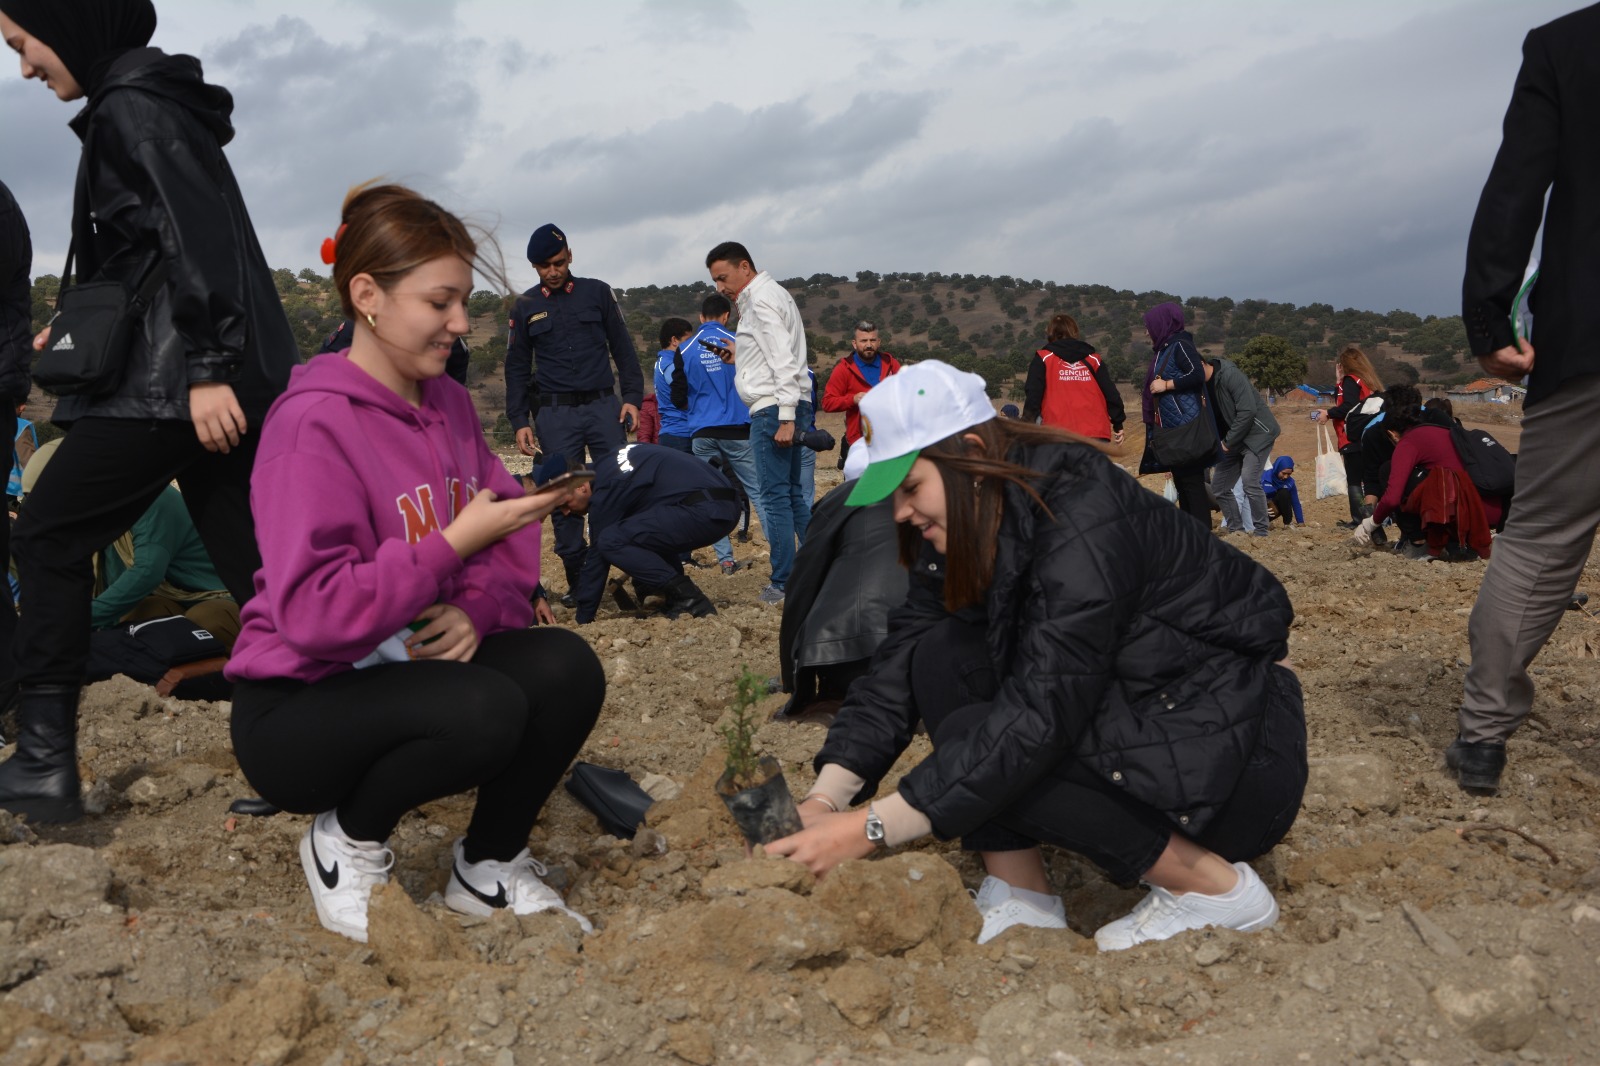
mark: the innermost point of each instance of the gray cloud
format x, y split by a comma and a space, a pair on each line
315, 117
1327, 153
703, 19
719, 156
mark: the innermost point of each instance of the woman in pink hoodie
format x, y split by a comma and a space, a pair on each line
386, 660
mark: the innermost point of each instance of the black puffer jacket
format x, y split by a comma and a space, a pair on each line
1126, 636
153, 183
16, 300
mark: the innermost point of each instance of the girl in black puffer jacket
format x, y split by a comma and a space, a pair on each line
154, 199
1096, 672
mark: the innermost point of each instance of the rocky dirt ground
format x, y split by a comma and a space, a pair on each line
1419, 925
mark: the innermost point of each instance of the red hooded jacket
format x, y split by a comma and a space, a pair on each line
845, 382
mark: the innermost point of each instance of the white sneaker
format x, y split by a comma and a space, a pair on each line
1247, 907
342, 874
482, 888
1001, 910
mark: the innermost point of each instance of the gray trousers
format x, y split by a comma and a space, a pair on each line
1225, 474
1536, 561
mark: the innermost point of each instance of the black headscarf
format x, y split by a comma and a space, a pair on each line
86, 35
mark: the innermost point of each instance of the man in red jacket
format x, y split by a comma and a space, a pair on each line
856, 373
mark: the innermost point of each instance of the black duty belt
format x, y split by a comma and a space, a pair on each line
569, 399
707, 495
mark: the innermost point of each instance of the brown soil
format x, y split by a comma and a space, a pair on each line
1419, 924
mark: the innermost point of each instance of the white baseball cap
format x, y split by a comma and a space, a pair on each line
903, 414
857, 460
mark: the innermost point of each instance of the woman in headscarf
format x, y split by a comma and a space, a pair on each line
155, 205
1174, 395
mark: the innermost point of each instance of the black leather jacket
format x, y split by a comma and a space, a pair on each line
1125, 635
16, 300
153, 185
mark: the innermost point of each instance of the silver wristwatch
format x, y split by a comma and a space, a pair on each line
874, 827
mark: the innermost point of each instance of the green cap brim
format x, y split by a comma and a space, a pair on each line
879, 480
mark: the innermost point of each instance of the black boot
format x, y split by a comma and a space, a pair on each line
1478, 766
683, 595
40, 780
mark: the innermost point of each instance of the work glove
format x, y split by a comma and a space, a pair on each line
1364, 532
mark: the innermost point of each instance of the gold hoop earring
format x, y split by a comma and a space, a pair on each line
372, 323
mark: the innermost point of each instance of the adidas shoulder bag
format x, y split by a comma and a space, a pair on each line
92, 332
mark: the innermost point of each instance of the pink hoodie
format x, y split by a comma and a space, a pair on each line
352, 486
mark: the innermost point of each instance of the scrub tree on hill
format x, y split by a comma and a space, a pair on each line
1272, 363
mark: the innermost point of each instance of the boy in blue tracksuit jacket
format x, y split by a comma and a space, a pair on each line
675, 432
1282, 496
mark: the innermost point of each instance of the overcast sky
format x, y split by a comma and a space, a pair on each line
1304, 152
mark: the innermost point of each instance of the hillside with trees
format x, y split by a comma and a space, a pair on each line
989, 325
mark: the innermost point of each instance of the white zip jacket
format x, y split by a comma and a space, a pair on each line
770, 357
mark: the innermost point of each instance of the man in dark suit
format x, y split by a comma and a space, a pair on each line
1548, 145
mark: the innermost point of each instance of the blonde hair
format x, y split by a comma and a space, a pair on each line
1354, 361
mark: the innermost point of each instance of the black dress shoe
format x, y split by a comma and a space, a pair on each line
1478, 766
569, 601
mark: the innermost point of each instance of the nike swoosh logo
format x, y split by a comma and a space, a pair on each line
330, 878
498, 900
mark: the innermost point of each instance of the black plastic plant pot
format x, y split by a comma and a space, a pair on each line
766, 812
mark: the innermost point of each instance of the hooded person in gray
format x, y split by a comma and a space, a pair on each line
1248, 432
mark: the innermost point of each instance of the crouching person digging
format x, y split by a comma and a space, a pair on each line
647, 506
1095, 670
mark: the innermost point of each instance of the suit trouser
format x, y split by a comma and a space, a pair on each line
1231, 468
571, 430
1537, 559
104, 476
647, 546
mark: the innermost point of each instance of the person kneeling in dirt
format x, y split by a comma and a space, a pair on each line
1096, 671
1427, 490
647, 506
1283, 497
386, 660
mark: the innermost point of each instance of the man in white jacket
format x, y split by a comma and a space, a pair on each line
770, 374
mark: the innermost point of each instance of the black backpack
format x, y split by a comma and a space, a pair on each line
1361, 416
1493, 470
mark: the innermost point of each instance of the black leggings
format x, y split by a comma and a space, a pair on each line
376, 743
953, 680
105, 474
1193, 499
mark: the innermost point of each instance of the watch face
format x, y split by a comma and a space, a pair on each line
874, 829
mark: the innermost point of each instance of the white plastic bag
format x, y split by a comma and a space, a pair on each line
1330, 464
1170, 491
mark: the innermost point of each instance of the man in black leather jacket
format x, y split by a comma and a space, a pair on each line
214, 349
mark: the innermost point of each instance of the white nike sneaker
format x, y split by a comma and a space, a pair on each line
1001, 910
1247, 907
482, 888
342, 874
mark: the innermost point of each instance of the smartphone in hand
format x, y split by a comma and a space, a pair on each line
716, 349
569, 479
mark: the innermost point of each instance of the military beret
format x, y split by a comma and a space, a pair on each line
547, 242
551, 467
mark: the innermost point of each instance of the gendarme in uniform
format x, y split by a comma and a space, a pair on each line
562, 344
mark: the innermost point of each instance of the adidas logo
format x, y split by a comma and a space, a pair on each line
63, 345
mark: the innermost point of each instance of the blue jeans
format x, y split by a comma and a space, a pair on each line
738, 457
808, 476
785, 512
